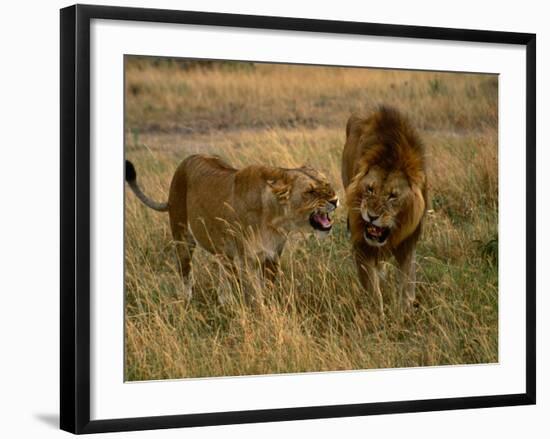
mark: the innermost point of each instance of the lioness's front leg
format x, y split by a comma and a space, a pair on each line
270, 269
243, 275
252, 281
228, 280
369, 277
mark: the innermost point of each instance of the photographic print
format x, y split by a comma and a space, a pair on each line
255, 228
288, 218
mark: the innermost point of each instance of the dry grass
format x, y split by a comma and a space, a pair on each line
316, 318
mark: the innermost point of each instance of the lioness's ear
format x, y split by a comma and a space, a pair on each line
280, 188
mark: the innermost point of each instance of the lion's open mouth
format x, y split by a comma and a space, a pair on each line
320, 221
376, 234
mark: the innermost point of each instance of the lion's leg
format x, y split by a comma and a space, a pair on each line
369, 278
407, 277
238, 276
228, 277
181, 233
270, 269
252, 280
185, 245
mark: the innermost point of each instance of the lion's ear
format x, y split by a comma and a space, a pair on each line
280, 188
359, 174
419, 179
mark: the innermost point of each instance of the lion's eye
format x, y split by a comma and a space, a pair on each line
313, 192
370, 190
392, 196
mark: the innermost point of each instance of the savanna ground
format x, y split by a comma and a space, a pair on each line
316, 318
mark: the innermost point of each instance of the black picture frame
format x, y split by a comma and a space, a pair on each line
75, 217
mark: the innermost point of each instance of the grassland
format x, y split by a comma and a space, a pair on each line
316, 318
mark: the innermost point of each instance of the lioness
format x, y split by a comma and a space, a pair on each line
244, 216
384, 174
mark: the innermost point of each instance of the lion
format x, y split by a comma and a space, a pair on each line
243, 216
384, 176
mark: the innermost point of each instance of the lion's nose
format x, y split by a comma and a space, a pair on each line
334, 202
372, 217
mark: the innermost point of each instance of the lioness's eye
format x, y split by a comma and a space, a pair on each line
370, 189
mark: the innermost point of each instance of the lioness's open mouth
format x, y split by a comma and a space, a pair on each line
320, 221
376, 234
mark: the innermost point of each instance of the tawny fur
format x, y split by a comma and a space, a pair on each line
242, 216
384, 175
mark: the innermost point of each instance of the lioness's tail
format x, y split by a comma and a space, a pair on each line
132, 182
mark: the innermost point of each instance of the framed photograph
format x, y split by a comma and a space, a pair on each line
268, 218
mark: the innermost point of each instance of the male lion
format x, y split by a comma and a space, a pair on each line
244, 216
384, 174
